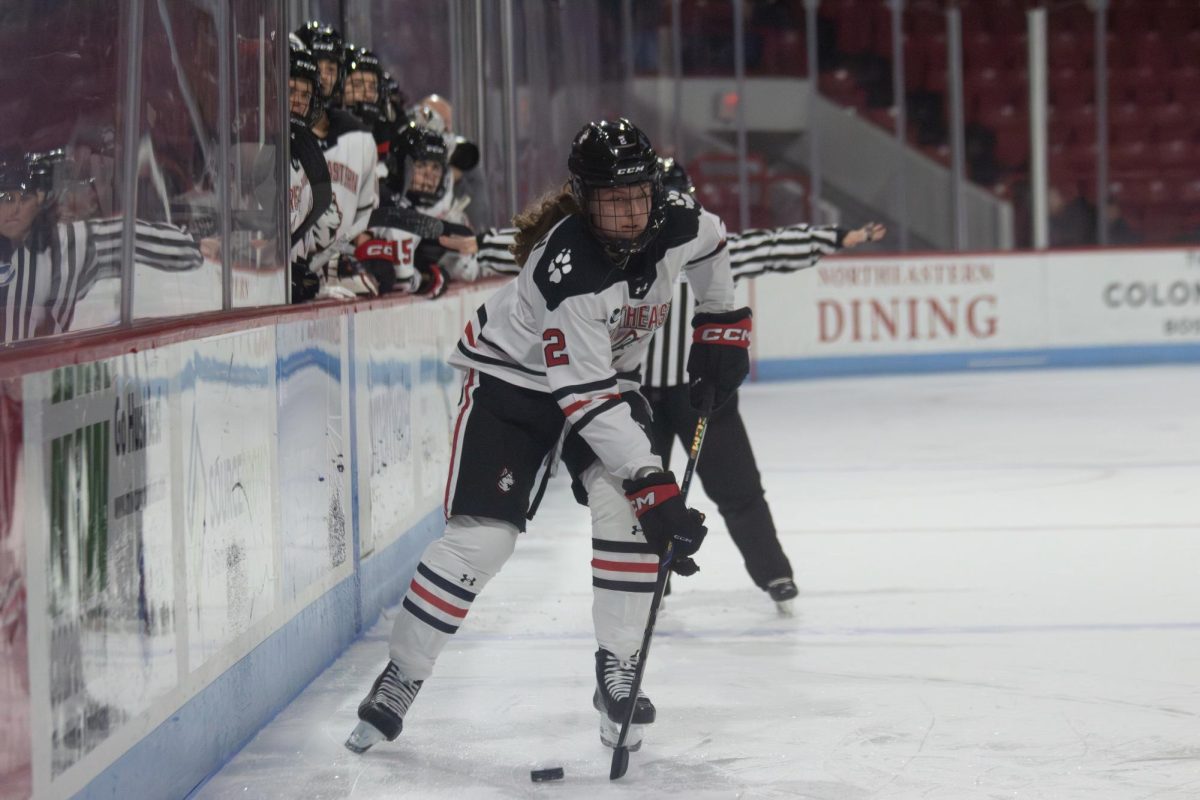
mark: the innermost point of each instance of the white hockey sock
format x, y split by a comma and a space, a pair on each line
624, 567
453, 570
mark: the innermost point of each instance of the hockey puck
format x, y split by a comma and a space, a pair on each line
549, 774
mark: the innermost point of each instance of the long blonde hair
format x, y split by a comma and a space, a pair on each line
539, 217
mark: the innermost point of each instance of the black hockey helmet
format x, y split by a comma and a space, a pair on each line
326, 44
423, 144
391, 99
303, 67
360, 59
49, 173
615, 153
674, 176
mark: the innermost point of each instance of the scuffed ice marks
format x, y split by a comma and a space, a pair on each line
337, 529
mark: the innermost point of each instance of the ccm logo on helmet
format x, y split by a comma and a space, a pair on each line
629, 170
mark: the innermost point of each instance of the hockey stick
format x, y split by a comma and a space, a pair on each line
307, 151
409, 219
620, 758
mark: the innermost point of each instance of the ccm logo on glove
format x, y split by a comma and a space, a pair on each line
647, 499
714, 334
376, 249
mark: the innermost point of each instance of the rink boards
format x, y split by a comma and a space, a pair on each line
194, 525
193, 531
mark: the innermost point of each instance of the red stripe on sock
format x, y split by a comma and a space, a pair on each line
624, 566
435, 601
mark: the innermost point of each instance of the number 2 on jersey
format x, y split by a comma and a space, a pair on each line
555, 347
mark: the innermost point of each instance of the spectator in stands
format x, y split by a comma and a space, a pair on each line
1119, 230
1072, 224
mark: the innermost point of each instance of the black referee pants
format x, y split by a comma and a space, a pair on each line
728, 473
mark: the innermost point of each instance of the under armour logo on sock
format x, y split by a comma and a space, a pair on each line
467, 580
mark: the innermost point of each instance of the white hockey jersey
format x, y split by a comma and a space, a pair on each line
350, 152
300, 202
575, 325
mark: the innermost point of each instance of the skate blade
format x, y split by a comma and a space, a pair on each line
610, 734
785, 608
363, 738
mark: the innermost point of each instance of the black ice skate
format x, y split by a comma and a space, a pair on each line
381, 713
783, 591
611, 699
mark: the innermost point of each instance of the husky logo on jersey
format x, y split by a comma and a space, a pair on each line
6, 272
507, 480
560, 266
614, 318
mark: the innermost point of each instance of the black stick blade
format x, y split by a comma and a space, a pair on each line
620, 763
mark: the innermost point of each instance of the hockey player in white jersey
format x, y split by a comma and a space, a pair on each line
428, 245
560, 348
313, 228
348, 146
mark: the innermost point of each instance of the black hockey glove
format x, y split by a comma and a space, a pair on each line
720, 355
665, 520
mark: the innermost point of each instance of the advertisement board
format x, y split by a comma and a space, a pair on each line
314, 456
1140, 297
16, 777
105, 556
922, 305
227, 403
887, 314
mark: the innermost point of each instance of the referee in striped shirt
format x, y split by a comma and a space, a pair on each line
727, 468
46, 266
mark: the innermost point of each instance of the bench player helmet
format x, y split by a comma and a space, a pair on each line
302, 66
360, 59
423, 144
674, 176
610, 154
325, 44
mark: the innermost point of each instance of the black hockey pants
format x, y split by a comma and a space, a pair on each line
729, 474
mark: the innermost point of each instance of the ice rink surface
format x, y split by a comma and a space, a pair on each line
1000, 598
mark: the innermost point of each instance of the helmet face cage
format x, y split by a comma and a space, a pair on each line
304, 68
424, 146
389, 88
364, 61
616, 179
325, 44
